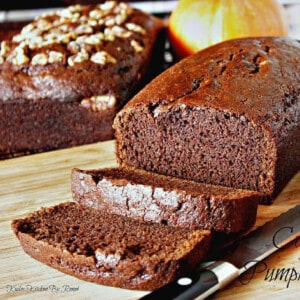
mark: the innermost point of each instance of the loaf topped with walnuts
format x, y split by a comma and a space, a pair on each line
84, 62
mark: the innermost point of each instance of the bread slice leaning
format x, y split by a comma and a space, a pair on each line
109, 249
150, 197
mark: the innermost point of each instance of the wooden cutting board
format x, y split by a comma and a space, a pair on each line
30, 182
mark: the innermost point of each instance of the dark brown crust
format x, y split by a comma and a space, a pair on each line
150, 197
64, 125
9, 29
40, 105
244, 97
132, 271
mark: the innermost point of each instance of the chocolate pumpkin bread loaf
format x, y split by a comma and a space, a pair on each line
150, 197
67, 73
109, 249
228, 115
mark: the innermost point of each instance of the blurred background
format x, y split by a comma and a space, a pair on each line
15, 4
17, 11
14, 14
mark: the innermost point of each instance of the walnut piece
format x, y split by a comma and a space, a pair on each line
100, 102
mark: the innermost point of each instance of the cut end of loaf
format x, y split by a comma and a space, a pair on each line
197, 143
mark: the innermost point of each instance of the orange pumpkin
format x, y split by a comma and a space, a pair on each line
194, 25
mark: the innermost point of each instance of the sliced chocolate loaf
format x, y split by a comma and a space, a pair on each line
67, 73
109, 249
228, 115
149, 197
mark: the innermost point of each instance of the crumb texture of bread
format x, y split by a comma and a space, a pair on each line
109, 249
228, 115
64, 76
156, 198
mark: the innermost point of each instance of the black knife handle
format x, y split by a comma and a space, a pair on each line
185, 288
209, 278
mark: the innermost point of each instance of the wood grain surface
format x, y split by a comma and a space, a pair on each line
31, 182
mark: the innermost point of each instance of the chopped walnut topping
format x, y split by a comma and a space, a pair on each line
77, 30
40, 59
66, 38
28, 28
75, 8
74, 47
102, 58
59, 22
4, 48
92, 23
100, 102
108, 5
43, 24
135, 27
81, 39
18, 38
120, 19
78, 58
84, 29
95, 39
120, 32
55, 57
72, 12
36, 42
51, 57
137, 47
19, 57
108, 35
96, 14
110, 21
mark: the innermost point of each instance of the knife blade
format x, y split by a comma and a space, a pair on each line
253, 248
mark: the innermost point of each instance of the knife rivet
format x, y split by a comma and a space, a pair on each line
184, 281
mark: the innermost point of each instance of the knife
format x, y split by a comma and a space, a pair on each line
213, 276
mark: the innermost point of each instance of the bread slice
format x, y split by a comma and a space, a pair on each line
150, 197
227, 115
109, 249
